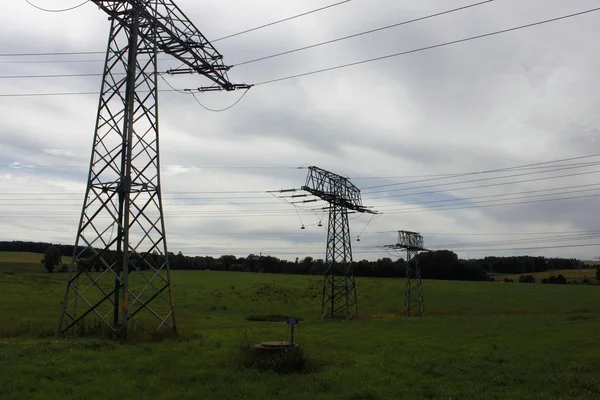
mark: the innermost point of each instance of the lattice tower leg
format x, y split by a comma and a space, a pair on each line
414, 304
339, 285
120, 276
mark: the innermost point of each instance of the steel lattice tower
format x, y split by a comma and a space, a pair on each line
120, 273
412, 243
339, 285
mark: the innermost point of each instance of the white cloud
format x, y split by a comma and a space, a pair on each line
514, 99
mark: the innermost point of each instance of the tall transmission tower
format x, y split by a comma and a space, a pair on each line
412, 243
339, 286
120, 276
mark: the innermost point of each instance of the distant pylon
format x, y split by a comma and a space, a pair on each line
339, 286
412, 243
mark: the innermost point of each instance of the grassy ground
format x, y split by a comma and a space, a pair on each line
570, 274
24, 262
478, 341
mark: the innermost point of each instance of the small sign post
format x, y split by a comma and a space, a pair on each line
291, 322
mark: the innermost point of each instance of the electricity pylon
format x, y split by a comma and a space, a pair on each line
120, 273
339, 285
412, 243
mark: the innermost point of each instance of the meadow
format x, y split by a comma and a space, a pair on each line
479, 340
569, 274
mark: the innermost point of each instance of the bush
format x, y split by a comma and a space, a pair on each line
557, 280
52, 258
526, 279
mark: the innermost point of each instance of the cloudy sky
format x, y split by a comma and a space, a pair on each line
418, 133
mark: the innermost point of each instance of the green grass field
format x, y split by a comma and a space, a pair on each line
570, 274
478, 341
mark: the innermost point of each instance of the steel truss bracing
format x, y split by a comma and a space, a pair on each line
412, 243
119, 277
339, 286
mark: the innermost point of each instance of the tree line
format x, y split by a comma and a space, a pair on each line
440, 264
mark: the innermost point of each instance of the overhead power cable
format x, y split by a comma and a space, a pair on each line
18, 165
476, 205
280, 233
498, 197
21, 193
56, 53
354, 63
544, 164
482, 180
362, 33
274, 213
53, 76
484, 186
531, 248
212, 41
368, 60
428, 47
553, 239
207, 202
281, 20
222, 109
59, 10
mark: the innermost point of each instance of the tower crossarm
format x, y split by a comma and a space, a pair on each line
334, 189
176, 35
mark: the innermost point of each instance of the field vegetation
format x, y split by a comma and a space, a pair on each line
575, 275
479, 340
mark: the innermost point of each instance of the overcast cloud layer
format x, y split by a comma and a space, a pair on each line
520, 98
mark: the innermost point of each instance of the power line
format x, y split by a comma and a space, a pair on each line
222, 109
531, 248
56, 53
176, 201
357, 62
518, 167
281, 20
498, 234
482, 186
533, 166
256, 233
59, 10
458, 174
53, 76
282, 167
426, 48
505, 194
568, 238
362, 33
212, 41
274, 213
20, 193
477, 205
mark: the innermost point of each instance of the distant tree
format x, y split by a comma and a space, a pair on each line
556, 280
526, 279
598, 273
52, 258
305, 265
84, 264
561, 280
